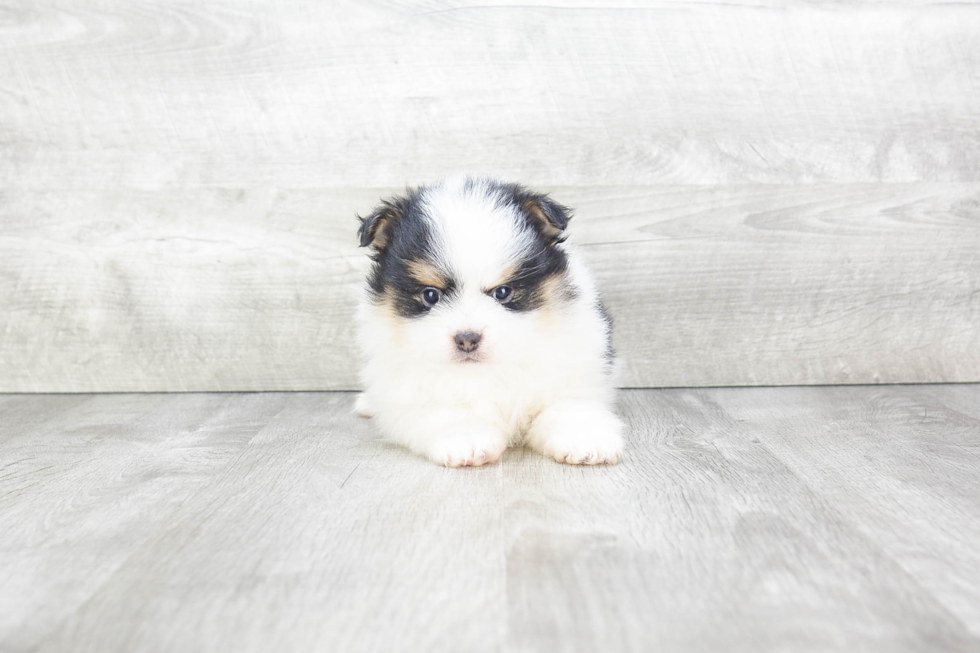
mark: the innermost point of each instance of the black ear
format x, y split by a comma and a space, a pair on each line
376, 229
548, 216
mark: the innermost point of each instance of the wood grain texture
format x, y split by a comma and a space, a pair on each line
305, 530
305, 94
769, 519
771, 193
150, 291
903, 472
215, 289
706, 541
106, 475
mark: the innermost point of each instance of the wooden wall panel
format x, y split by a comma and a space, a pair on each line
304, 93
215, 289
770, 192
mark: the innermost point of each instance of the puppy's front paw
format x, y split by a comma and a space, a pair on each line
578, 435
585, 448
467, 450
362, 407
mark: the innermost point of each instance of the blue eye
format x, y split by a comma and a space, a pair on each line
431, 296
503, 294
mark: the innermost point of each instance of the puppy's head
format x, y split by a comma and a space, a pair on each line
468, 271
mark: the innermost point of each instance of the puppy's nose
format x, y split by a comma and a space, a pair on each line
467, 340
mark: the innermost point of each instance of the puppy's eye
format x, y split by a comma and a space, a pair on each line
431, 296
503, 294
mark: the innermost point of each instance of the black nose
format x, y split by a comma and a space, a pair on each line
467, 340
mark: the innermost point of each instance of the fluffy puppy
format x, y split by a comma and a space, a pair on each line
481, 327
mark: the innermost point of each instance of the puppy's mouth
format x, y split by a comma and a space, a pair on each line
469, 357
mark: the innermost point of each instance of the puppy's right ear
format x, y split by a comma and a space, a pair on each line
376, 229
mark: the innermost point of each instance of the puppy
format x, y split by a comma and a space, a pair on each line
480, 327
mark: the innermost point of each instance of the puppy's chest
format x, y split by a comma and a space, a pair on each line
511, 399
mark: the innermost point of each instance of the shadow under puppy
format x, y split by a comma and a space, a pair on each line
480, 327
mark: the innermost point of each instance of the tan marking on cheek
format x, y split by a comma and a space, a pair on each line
426, 274
393, 322
553, 289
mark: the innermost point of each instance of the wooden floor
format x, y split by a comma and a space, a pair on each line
753, 519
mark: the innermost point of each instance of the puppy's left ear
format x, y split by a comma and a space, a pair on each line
375, 229
548, 216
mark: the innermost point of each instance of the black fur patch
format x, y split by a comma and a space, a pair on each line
534, 272
408, 240
546, 220
540, 213
401, 237
610, 353
376, 229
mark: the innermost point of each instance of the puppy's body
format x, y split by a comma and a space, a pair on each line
481, 328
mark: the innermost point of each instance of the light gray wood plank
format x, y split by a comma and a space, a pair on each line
215, 289
99, 481
316, 537
160, 285
816, 519
855, 284
703, 540
305, 93
900, 464
26, 413
102, 288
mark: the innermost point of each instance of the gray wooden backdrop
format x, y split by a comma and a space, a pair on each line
771, 193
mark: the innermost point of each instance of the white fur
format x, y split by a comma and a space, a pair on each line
542, 378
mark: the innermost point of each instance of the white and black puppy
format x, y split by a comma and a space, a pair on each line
481, 327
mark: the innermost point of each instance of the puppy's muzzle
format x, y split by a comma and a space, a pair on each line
467, 341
